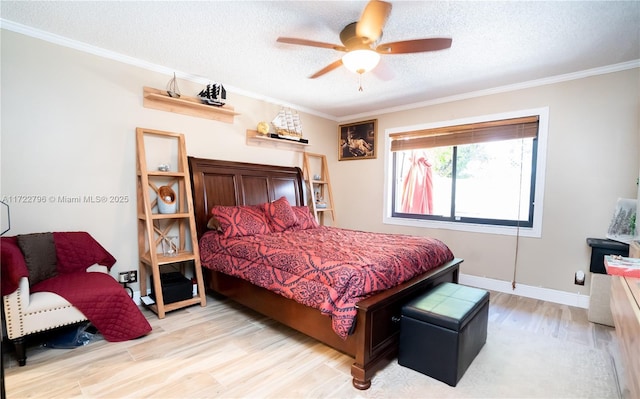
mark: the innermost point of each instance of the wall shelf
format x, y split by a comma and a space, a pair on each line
255, 138
159, 99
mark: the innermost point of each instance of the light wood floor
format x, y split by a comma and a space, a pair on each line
189, 346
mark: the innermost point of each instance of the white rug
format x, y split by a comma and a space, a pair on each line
512, 364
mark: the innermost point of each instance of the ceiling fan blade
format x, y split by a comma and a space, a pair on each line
326, 69
373, 18
305, 42
414, 46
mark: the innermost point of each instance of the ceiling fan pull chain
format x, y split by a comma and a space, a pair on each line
360, 82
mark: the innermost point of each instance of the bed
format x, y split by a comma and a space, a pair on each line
372, 339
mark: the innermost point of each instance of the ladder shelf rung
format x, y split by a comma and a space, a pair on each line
159, 216
181, 256
158, 173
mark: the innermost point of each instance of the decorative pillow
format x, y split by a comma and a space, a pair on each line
280, 214
214, 224
238, 221
39, 252
306, 220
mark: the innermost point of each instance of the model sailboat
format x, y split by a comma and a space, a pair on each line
287, 125
172, 87
213, 94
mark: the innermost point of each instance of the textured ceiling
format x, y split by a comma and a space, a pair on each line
495, 44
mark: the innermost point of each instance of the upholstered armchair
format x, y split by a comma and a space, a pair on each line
28, 313
50, 280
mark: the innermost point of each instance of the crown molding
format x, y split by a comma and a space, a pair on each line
80, 46
115, 56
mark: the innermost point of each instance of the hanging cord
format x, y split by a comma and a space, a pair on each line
515, 258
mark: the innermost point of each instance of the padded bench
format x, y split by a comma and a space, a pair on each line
442, 331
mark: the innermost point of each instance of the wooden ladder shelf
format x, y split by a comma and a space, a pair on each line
316, 175
166, 238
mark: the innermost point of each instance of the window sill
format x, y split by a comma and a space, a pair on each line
534, 232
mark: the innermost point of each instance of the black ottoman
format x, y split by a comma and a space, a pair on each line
442, 331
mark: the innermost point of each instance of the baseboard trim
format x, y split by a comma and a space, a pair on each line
545, 294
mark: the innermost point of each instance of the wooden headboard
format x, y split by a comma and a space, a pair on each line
215, 182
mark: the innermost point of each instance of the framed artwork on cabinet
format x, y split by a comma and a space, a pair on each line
623, 226
357, 140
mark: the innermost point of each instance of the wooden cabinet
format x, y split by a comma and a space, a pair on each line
316, 175
167, 236
625, 307
158, 99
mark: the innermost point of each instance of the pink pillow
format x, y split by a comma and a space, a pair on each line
280, 214
306, 220
238, 221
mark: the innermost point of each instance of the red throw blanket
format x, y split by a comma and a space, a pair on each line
75, 251
325, 268
102, 300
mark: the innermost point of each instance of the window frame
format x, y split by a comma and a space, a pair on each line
539, 177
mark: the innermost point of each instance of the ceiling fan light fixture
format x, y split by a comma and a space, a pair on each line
361, 61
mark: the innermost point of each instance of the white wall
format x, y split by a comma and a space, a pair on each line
592, 159
68, 130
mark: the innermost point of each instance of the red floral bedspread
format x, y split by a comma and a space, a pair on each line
326, 268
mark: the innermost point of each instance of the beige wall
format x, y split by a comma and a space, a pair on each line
592, 159
68, 126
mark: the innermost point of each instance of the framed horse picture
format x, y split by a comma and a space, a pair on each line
357, 140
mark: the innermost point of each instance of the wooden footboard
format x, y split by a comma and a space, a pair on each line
374, 342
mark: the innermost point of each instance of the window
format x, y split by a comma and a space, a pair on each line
480, 175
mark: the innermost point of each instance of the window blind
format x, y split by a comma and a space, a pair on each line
505, 129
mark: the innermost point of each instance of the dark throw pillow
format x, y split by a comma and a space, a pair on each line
39, 252
214, 224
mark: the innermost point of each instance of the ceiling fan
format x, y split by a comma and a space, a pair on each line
359, 41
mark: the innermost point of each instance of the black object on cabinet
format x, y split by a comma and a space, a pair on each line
601, 247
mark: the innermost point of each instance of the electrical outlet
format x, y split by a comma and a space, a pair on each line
579, 278
123, 277
128, 277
